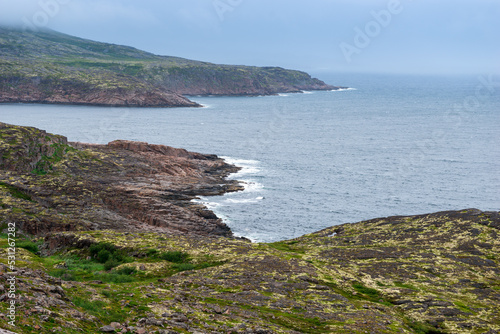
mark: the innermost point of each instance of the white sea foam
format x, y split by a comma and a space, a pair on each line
283, 95
246, 236
244, 200
251, 186
342, 89
307, 92
208, 204
240, 162
248, 167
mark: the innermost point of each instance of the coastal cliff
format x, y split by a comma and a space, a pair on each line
108, 240
121, 185
50, 67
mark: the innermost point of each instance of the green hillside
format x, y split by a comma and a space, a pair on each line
57, 68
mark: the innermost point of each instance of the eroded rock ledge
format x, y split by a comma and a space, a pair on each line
122, 185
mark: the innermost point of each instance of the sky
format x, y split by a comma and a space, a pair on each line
368, 36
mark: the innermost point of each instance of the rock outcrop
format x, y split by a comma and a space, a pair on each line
122, 185
80, 93
107, 240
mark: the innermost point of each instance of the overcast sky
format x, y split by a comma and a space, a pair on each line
419, 36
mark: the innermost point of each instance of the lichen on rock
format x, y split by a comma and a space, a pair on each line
109, 240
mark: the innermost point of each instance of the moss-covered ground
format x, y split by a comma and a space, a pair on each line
382, 276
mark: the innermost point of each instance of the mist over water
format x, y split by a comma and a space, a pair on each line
394, 145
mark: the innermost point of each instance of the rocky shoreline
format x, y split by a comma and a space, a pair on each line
35, 91
108, 240
54, 68
32, 93
121, 185
138, 99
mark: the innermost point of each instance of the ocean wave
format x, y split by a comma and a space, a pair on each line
245, 171
250, 194
238, 162
342, 89
284, 95
208, 204
244, 200
252, 186
246, 236
248, 167
307, 92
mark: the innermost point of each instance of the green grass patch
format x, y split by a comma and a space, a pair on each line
114, 278
183, 266
125, 271
370, 294
108, 254
463, 307
174, 256
15, 192
287, 246
151, 252
422, 328
29, 246
99, 309
104, 257
406, 286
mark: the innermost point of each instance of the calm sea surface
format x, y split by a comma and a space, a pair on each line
394, 145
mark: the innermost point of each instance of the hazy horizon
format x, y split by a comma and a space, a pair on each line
407, 37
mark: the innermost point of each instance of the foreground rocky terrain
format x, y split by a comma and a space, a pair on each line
108, 240
50, 67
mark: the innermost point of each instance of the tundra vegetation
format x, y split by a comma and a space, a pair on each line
87, 264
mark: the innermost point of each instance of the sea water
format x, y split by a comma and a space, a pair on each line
390, 145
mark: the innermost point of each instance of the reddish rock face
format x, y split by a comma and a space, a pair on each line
122, 185
71, 93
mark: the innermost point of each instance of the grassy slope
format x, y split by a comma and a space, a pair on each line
306, 285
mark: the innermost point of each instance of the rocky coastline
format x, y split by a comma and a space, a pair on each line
53, 68
121, 185
108, 240
32, 92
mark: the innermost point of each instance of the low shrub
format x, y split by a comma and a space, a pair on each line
125, 271
108, 254
98, 308
174, 256
183, 266
28, 245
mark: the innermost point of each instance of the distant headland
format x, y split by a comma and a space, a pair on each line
55, 68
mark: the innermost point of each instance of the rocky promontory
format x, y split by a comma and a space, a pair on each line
16, 89
122, 185
109, 241
54, 68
